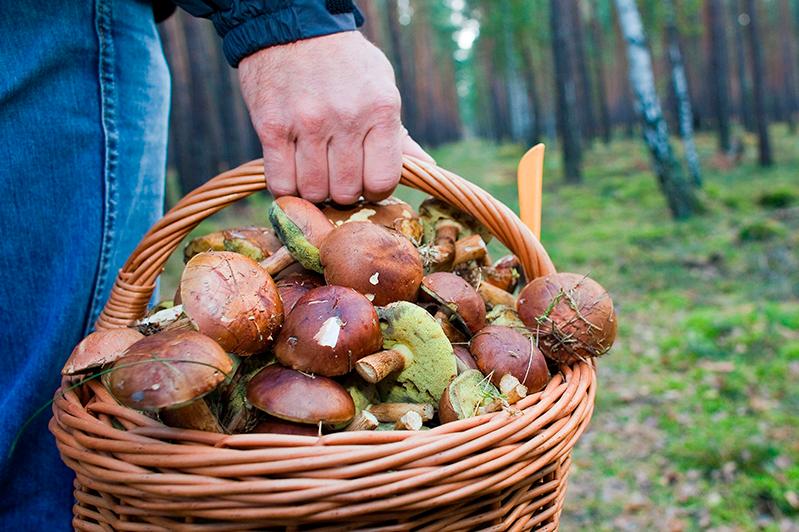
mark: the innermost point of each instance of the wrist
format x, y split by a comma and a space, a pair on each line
297, 20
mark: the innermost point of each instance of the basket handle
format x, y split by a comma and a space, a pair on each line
136, 280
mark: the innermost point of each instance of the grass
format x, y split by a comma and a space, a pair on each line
697, 419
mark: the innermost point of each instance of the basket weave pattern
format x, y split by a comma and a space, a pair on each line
499, 471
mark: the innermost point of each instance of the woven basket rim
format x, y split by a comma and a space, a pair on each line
117, 450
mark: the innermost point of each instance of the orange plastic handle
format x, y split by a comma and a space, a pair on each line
530, 176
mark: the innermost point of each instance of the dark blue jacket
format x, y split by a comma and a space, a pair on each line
247, 26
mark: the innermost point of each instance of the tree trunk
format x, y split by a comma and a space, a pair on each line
566, 93
404, 78
678, 191
599, 77
585, 101
719, 73
744, 87
685, 117
756, 54
534, 101
788, 71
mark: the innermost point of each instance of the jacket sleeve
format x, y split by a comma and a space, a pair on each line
247, 26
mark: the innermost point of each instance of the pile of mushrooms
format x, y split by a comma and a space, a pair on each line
366, 317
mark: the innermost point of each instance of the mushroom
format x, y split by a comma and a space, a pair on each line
457, 297
294, 396
254, 242
329, 330
411, 420
293, 286
470, 248
465, 396
506, 316
571, 315
493, 296
391, 212
302, 227
500, 350
99, 349
418, 361
453, 333
464, 359
170, 372
392, 412
505, 273
273, 425
443, 226
379, 263
232, 299
364, 420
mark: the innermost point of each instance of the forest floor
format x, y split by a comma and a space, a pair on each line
696, 424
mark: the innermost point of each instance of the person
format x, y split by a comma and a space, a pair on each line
83, 132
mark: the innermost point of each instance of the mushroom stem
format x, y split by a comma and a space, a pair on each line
376, 367
494, 296
469, 248
393, 412
195, 415
411, 420
447, 232
513, 390
363, 421
278, 261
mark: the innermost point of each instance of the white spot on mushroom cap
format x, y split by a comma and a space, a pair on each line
327, 335
370, 297
362, 215
374, 279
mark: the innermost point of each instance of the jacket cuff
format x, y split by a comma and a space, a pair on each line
302, 19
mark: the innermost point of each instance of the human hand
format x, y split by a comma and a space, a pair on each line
327, 112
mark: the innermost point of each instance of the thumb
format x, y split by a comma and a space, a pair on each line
410, 147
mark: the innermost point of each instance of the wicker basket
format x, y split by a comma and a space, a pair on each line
495, 472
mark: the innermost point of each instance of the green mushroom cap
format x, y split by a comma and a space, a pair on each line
429, 359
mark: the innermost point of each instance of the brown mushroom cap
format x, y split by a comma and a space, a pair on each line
273, 425
465, 359
501, 350
100, 348
294, 396
168, 369
311, 221
391, 212
330, 329
458, 296
572, 315
377, 262
254, 242
232, 299
293, 286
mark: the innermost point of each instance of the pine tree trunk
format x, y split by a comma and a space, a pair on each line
720, 73
679, 82
566, 93
760, 112
534, 136
599, 77
744, 87
787, 57
398, 54
678, 191
585, 100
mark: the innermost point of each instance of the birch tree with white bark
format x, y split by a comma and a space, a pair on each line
679, 193
679, 81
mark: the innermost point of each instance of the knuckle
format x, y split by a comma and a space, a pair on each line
310, 121
273, 130
387, 107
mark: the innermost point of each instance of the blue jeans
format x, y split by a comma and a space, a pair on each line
84, 97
